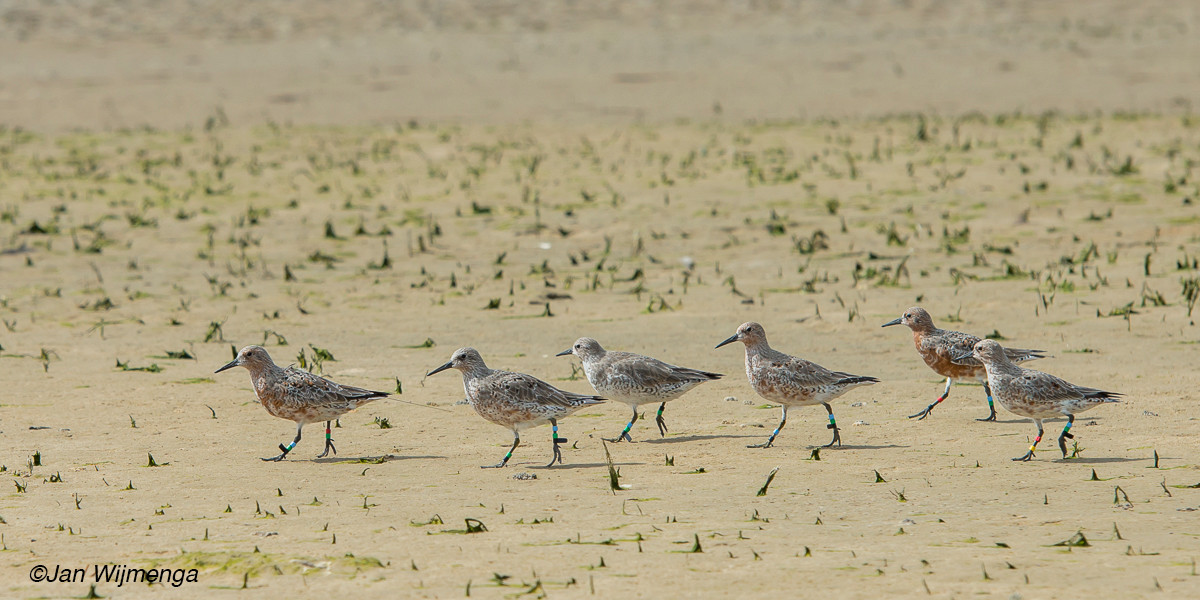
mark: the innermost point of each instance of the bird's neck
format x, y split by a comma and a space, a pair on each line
476, 372
758, 350
1003, 365
591, 365
262, 376
923, 329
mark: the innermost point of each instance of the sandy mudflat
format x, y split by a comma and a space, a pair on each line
369, 179
173, 63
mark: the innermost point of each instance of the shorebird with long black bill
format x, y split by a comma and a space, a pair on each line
791, 381
296, 395
1034, 394
635, 379
514, 400
938, 347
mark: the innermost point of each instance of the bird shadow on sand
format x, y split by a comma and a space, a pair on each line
980, 420
856, 447
1102, 460
569, 466
691, 438
1000, 421
372, 460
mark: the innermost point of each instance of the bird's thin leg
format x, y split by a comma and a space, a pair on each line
557, 440
771, 439
1066, 434
837, 437
287, 448
516, 442
929, 409
625, 434
328, 441
1029, 455
991, 405
662, 423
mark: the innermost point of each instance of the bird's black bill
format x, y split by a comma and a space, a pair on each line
232, 364
565, 352
440, 369
962, 357
892, 322
731, 339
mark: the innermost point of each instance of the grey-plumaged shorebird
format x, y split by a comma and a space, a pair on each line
514, 400
300, 396
1035, 394
789, 380
938, 347
635, 379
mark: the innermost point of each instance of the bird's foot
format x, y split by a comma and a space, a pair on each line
837, 439
557, 453
328, 447
285, 450
623, 437
1062, 442
1028, 457
925, 413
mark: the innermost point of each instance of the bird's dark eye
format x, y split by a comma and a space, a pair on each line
578, 346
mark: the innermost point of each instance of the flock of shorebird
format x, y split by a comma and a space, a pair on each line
519, 401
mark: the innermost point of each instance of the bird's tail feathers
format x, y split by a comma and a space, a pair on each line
698, 374
859, 379
1019, 355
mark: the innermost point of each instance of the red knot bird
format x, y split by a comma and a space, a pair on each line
514, 400
1035, 394
635, 379
939, 346
299, 396
789, 380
